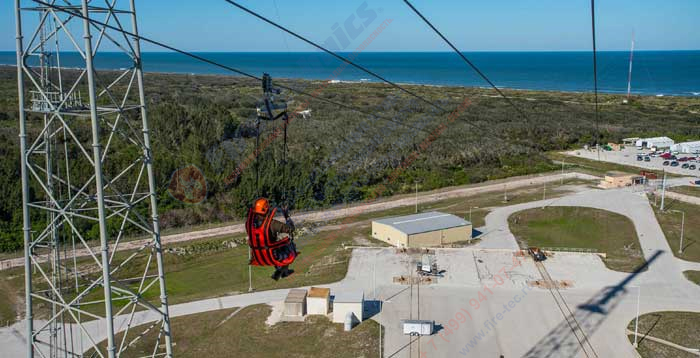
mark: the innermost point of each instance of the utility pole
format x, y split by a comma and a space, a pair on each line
663, 191
505, 193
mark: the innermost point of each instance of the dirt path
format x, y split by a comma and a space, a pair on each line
332, 214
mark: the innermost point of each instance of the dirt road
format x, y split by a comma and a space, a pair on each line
331, 214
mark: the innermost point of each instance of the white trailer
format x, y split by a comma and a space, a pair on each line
418, 327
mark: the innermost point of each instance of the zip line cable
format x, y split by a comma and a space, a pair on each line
471, 64
359, 67
595, 80
226, 67
393, 84
292, 89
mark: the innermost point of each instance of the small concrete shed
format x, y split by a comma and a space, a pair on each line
318, 301
295, 303
348, 302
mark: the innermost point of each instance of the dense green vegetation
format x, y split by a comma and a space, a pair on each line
578, 227
337, 155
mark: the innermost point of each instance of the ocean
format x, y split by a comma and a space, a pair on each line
675, 73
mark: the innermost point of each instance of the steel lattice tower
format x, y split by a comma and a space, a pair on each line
87, 184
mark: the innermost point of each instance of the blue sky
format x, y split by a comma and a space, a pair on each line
506, 25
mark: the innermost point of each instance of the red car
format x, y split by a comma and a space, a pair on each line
666, 155
684, 159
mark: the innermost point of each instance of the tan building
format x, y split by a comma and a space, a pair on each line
620, 180
422, 230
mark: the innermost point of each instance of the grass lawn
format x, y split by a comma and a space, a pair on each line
480, 204
686, 189
671, 225
693, 276
246, 334
677, 327
11, 295
576, 227
211, 271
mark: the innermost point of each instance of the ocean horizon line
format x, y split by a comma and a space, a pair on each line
408, 52
673, 73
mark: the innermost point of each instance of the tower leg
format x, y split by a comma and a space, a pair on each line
26, 225
148, 154
99, 182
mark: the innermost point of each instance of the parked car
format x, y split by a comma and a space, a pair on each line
647, 159
684, 159
692, 167
639, 158
685, 165
674, 164
697, 182
666, 162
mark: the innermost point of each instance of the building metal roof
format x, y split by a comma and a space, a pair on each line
424, 222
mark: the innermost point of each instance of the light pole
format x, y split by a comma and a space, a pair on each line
250, 273
416, 197
379, 301
381, 304
636, 320
470, 212
663, 191
505, 193
680, 247
544, 194
562, 171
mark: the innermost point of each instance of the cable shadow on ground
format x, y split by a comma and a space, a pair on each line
562, 342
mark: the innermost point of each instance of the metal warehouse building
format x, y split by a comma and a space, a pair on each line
422, 230
687, 147
656, 142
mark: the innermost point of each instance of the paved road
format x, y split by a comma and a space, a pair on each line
602, 301
333, 214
